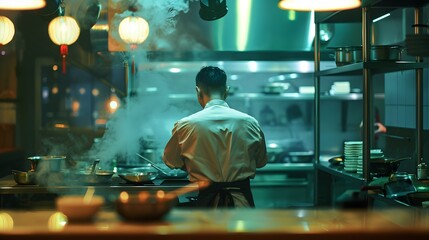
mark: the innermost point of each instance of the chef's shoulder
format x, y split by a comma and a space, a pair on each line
246, 117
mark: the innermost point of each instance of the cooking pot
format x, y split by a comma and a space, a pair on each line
386, 53
347, 55
24, 178
47, 163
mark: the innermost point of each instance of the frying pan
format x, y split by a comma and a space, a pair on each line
138, 174
175, 173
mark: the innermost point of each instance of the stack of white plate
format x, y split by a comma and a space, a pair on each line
352, 155
375, 154
340, 88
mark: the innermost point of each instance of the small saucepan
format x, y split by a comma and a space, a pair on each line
24, 178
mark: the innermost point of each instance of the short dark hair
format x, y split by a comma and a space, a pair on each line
211, 78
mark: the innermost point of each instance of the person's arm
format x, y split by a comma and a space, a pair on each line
172, 151
260, 148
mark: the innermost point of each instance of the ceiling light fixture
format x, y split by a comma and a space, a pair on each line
63, 31
22, 4
318, 5
7, 30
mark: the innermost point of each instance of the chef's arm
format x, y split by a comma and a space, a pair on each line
172, 152
261, 152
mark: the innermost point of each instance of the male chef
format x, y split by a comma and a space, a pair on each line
217, 145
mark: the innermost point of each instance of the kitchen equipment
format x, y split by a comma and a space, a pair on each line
416, 198
385, 166
399, 185
422, 171
94, 165
347, 55
275, 87
96, 177
138, 174
337, 160
47, 163
386, 53
24, 178
79, 209
174, 173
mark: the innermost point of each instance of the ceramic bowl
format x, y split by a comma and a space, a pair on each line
145, 206
77, 209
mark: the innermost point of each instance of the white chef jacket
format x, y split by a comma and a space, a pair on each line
218, 144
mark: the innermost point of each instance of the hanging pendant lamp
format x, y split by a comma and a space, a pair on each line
63, 31
22, 4
7, 30
133, 30
318, 5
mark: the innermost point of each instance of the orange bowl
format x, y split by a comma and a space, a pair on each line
78, 210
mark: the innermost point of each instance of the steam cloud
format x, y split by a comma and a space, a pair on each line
139, 118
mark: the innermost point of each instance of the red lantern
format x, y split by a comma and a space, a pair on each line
63, 31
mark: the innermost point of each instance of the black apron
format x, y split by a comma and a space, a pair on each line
223, 190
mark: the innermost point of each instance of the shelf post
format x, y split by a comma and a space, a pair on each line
418, 18
367, 134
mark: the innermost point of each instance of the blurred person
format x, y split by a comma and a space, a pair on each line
217, 145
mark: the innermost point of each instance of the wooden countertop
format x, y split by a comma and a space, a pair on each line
225, 224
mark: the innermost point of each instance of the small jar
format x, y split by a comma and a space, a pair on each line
422, 171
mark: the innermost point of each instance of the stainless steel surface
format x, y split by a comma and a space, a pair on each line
347, 55
47, 163
138, 174
9, 186
24, 178
386, 53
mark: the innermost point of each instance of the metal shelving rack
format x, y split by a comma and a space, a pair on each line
370, 10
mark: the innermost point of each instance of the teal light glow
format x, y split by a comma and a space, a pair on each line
243, 23
292, 15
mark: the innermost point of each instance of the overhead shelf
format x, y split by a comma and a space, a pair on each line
376, 67
281, 97
378, 9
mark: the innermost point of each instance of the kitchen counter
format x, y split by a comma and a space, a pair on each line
13, 192
9, 186
225, 224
